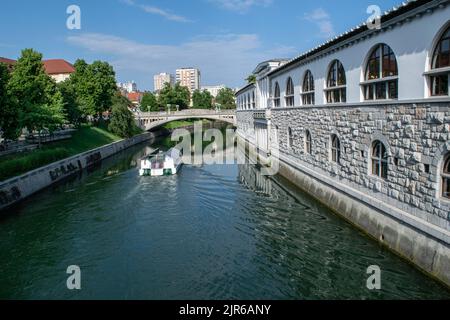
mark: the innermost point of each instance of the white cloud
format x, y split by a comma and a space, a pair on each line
158, 11
241, 6
323, 21
225, 58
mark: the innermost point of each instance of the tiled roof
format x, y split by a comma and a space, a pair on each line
8, 62
58, 66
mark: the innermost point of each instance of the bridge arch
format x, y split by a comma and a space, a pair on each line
152, 120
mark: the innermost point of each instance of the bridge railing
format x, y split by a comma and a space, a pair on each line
188, 112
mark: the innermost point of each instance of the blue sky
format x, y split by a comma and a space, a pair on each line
225, 39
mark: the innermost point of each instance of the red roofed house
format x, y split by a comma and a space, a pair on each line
135, 97
58, 69
9, 62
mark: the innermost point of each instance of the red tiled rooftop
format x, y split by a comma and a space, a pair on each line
135, 96
58, 66
8, 62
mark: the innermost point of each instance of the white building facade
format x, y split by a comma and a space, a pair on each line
213, 90
362, 123
128, 87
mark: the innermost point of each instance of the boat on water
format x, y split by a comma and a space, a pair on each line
161, 163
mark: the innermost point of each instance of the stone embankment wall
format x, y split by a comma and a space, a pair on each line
18, 188
406, 211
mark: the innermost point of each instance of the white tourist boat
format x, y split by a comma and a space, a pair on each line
161, 164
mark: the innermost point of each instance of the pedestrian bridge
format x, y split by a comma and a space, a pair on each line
152, 120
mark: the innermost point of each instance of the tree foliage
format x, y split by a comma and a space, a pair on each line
177, 95
9, 113
225, 99
94, 85
149, 103
202, 99
251, 78
122, 121
40, 104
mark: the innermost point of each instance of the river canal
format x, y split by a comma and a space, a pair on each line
211, 232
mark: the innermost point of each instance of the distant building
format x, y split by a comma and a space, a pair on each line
135, 98
189, 77
214, 90
58, 69
9, 62
128, 87
161, 79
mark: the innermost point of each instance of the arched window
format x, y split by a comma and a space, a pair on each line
441, 59
381, 79
289, 93
335, 148
379, 160
308, 89
253, 100
290, 138
336, 90
308, 142
446, 177
276, 96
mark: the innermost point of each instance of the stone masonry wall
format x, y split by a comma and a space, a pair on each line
417, 137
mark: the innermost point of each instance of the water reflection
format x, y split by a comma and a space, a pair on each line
211, 232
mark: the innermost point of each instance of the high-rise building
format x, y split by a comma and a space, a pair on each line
189, 77
161, 79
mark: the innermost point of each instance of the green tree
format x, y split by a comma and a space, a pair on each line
173, 96
225, 99
251, 78
41, 104
122, 121
71, 107
95, 86
149, 103
202, 99
9, 113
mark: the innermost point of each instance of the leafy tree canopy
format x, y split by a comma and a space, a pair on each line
149, 103
226, 99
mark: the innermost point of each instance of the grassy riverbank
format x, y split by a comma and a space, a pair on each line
86, 138
182, 123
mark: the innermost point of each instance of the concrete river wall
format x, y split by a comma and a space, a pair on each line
16, 189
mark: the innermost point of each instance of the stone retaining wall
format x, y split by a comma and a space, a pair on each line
18, 188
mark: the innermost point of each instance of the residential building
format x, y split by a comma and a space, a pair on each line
161, 79
135, 97
58, 69
9, 62
128, 87
189, 77
214, 90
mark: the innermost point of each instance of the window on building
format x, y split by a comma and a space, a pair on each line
276, 96
290, 138
308, 89
381, 79
446, 177
290, 99
335, 148
308, 142
379, 160
441, 59
253, 100
336, 90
